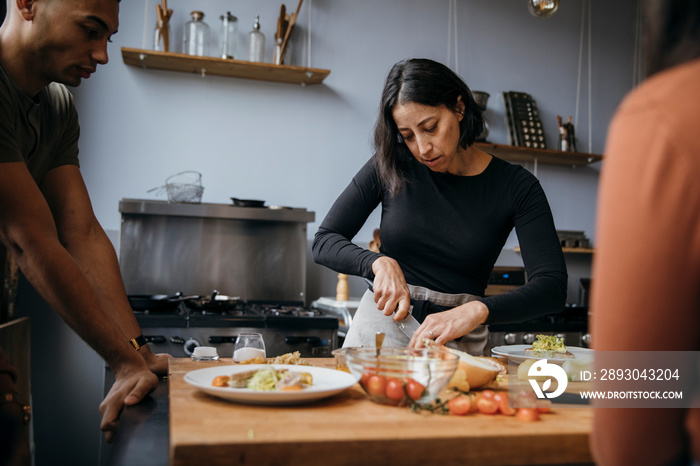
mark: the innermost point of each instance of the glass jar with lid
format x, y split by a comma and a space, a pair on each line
228, 41
196, 37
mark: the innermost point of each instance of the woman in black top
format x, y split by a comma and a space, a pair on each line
447, 210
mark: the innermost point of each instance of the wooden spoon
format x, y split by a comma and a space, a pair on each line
288, 32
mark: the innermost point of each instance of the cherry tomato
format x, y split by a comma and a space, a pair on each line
487, 405
394, 389
365, 378
414, 389
527, 415
376, 385
502, 399
460, 405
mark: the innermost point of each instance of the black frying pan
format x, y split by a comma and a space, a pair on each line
157, 302
247, 202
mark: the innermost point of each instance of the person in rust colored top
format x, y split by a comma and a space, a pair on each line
647, 268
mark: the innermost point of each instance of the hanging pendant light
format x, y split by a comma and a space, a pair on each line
542, 8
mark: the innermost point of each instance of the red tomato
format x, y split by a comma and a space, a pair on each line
502, 399
414, 389
487, 405
376, 385
394, 389
488, 394
365, 378
460, 405
527, 415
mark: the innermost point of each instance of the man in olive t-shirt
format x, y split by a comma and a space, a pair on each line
46, 218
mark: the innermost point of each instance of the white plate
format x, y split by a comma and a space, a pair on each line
516, 353
326, 382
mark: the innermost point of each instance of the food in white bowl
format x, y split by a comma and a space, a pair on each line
549, 346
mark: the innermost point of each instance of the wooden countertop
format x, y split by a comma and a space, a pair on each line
350, 429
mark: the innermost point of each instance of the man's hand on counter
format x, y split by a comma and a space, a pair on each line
131, 385
158, 363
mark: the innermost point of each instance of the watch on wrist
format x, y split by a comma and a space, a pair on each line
138, 342
13, 398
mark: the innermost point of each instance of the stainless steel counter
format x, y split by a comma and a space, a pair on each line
220, 211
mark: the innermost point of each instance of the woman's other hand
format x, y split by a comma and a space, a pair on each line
390, 289
446, 326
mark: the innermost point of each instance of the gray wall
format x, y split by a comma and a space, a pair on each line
300, 146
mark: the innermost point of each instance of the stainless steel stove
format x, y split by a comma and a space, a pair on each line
571, 324
188, 323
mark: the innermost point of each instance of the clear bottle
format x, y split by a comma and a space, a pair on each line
162, 36
196, 38
228, 42
256, 43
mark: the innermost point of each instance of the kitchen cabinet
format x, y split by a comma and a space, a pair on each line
170, 61
548, 156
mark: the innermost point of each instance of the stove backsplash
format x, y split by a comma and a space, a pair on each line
256, 253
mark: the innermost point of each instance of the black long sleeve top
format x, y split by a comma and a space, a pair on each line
446, 232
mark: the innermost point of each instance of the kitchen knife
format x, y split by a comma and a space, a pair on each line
409, 325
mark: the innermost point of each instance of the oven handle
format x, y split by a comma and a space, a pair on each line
313, 341
216, 340
156, 339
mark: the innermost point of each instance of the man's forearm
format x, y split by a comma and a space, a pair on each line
61, 282
97, 259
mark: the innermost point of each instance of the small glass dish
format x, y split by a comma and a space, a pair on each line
205, 353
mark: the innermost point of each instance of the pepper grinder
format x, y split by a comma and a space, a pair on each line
341, 290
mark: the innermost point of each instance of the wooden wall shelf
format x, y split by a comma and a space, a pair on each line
548, 156
567, 250
222, 67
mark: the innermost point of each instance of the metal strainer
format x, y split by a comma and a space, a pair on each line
183, 188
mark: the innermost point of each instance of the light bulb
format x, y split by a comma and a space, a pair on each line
542, 8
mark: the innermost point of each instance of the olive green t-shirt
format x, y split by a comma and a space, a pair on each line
42, 132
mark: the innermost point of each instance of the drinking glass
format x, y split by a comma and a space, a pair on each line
248, 346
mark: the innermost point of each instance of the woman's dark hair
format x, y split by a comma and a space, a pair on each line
426, 82
673, 33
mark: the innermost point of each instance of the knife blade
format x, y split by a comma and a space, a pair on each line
409, 325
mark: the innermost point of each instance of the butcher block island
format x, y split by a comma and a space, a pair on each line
348, 428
